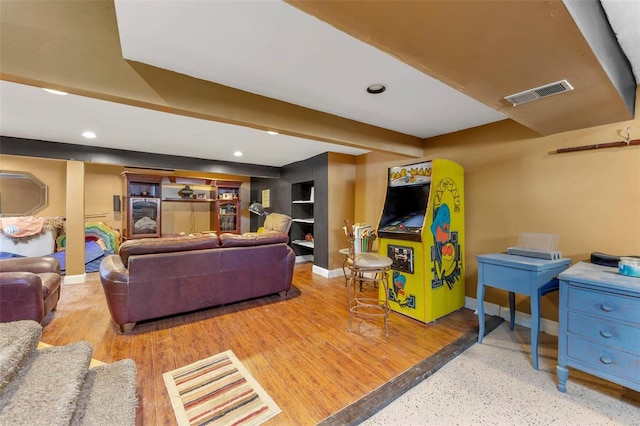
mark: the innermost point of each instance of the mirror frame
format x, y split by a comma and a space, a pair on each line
42, 190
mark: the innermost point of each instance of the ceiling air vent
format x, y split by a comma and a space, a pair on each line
539, 92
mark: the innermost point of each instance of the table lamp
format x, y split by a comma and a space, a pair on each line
258, 209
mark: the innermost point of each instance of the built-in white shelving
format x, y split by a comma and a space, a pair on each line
308, 220
303, 243
302, 212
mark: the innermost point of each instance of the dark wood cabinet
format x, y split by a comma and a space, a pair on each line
142, 205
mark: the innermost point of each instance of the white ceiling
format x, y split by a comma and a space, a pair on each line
266, 47
273, 49
29, 112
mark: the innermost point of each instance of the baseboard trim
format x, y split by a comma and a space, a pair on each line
547, 326
320, 271
75, 279
333, 273
304, 258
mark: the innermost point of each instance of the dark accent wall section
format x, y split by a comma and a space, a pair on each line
313, 169
279, 197
65, 151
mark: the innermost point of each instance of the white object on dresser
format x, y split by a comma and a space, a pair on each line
599, 325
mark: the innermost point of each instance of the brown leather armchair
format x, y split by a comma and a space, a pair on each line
29, 288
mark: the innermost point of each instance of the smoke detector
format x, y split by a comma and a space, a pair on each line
539, 92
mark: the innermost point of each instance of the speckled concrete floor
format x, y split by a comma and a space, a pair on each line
493, 383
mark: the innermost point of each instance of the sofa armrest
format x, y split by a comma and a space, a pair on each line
113, 270
21, 297
115, 282
37, 265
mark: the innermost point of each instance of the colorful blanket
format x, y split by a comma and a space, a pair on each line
96, 231
100, 240
92, 251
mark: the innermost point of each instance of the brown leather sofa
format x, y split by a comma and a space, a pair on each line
156, 277
29, 288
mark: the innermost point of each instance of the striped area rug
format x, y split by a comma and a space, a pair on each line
218, 390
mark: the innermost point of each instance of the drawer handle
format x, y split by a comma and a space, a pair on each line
607, 307
606, 360
606, 333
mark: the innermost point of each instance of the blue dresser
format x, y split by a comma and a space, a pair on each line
599, 325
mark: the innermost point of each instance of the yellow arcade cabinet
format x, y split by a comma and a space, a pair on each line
422, 230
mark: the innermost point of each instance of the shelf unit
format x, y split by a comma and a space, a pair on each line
187, 205
302, 204
175, 188
310, 220
304, 243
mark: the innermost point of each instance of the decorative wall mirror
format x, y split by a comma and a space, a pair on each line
21, 193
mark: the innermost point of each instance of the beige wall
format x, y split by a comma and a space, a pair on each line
50, 172
342, 184
371, 184
178, 217
514, 182
102, 182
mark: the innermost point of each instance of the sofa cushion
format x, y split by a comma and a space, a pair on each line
235, 240
167, 245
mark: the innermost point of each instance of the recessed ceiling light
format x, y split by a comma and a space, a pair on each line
375, 89
89, 135
237, 154
271, 132
55, 92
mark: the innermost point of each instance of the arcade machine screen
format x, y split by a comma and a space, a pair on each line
404, 212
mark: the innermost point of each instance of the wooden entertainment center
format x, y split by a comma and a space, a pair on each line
156, 205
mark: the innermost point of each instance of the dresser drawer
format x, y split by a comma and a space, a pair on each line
596, 358
605, 332
605, 305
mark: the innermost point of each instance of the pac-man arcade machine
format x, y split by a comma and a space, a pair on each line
422, 230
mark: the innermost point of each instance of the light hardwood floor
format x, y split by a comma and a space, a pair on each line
299, 348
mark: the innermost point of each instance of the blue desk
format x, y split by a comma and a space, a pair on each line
518, 274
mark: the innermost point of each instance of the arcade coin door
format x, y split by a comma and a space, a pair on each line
422, 230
